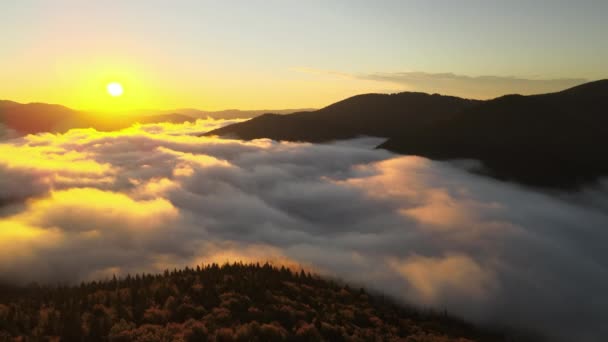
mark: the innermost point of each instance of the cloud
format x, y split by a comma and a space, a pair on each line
96, 210
479, 87
453, 275
476, 87
87, 204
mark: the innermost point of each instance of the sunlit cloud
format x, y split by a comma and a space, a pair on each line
434, 277
50, 159
89, 204
89, 209
21, 242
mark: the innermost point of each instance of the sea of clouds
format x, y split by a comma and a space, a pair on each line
88, 204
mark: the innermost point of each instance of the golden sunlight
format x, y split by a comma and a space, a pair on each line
115, 89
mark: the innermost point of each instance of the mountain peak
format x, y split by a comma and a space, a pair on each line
599, 87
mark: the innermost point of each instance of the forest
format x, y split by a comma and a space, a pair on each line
230, 302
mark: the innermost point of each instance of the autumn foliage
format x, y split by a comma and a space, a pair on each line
234, 302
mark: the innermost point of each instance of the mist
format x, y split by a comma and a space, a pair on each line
87, 205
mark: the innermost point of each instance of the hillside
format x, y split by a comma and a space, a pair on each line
229, 114
550, 140
382, 115
37, 117
42, 117
229, 303
32, 118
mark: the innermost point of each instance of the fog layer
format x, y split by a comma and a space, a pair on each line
86, 205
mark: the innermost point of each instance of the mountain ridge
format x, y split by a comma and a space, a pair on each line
349, 118
517, 137
38, 117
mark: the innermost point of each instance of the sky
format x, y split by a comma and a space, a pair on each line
292, 54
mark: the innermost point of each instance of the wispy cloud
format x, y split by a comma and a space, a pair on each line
479, 87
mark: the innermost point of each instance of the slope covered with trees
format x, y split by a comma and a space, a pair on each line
219, 303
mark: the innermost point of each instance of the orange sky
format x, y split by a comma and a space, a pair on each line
271, 55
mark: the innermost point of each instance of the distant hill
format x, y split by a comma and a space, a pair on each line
36, 117
229, 303
41, 117
229, 114
554, 140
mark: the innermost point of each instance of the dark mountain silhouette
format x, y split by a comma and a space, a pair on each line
370, 114
545, 140
221, 303
551, 140
229, 114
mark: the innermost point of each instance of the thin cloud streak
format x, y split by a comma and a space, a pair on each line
480, 87
476, 87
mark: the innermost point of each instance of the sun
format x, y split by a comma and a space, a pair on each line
115, 89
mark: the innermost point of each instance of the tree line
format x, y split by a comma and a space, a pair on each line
231, 302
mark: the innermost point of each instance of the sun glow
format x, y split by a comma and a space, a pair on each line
115, 89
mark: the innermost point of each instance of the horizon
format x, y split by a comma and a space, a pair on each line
67, 51
177, 109
131, 111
